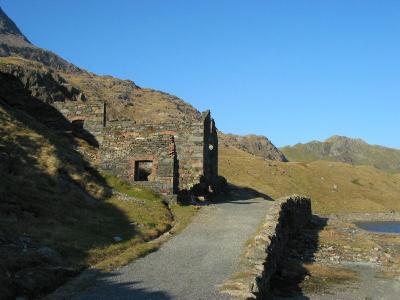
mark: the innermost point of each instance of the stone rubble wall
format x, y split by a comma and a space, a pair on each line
92, 113
196, 162
285, 219
119, 152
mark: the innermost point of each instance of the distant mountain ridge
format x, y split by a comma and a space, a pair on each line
347, 150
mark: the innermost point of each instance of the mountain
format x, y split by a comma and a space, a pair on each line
59, 214
253, 144
347, 150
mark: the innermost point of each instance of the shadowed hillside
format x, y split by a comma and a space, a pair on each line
57, 213
344, 149
334, 187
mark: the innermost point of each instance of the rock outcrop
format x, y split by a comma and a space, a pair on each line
253, 144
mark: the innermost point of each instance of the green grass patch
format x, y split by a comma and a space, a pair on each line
124, 187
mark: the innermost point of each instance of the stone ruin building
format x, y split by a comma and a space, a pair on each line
170, 158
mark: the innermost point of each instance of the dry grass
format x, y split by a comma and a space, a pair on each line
387, 274
19, 61
329, 184
321, 278
127, 101
332, 235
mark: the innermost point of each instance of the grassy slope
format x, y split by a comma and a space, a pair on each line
360, 154
50, 194
334, 187
40, 186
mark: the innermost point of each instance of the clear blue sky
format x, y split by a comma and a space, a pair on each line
291, 70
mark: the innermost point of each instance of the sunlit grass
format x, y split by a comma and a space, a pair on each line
333, 187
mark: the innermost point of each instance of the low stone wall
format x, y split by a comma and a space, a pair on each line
284, 219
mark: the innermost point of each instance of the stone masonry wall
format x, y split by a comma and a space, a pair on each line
284, 219
91, 113
196, 148
120, 151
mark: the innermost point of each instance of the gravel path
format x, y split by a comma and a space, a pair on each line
191, 264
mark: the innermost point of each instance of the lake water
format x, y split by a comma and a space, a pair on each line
386, 226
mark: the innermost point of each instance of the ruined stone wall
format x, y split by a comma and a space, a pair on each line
196, 148
121, 150
92, 114
195, 163
284, 219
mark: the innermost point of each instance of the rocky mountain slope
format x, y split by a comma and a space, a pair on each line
45, 73
348, 150
253, 144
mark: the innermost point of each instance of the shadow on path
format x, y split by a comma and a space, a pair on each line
240, 195
300, 250
119, 290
